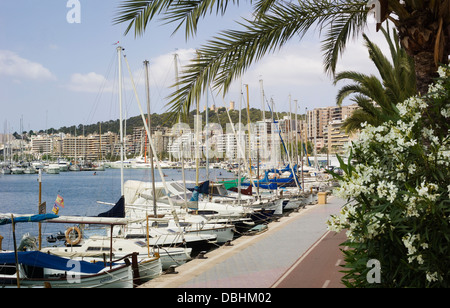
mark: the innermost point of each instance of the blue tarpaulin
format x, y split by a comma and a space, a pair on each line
40, 259
32, 218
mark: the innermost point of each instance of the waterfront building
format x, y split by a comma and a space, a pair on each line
42, 145
336, 137
324, 127
91, 147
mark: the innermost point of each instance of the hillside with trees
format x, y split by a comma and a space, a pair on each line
162, 120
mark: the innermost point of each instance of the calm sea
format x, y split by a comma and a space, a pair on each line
19, 194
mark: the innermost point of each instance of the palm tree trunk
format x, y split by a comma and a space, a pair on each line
426, 70
426, 38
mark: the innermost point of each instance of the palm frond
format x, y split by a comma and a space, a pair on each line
345, 25
139, 13
229, 54
226, 56
261, 7
353, 124
398, 83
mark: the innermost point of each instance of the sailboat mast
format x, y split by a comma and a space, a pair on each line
119, 55
296, 132
265, 155
181, 135
238, 143
206, 137
290, 130
249, 134
161, 174
39, 208
147, 88
15, 250
197, 138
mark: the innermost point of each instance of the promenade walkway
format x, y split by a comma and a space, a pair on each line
296, 252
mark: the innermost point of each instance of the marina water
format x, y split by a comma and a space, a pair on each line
19, 194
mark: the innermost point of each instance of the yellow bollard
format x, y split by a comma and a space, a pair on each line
322, 198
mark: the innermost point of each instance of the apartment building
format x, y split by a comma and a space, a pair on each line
91, 147
324, 127
336, 137
42, 145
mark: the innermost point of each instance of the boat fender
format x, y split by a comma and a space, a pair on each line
69, 239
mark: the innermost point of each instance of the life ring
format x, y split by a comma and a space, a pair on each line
69, 236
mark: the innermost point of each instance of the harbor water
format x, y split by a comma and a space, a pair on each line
19, 194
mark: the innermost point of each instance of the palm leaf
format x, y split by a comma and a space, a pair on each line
228, 55
139, 13
225, 57
398, 83
345, 25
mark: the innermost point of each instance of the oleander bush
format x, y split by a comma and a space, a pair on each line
397, 183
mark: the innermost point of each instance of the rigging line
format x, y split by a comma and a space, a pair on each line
161, 84
102, 88
113, 106
214, 102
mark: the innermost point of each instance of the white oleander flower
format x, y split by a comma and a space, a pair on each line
425, 190
432, 276
445, 112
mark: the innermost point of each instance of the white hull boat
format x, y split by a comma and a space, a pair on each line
52, 169
16, 170
97, 247
39, 270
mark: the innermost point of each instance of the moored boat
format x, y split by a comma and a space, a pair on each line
36, 269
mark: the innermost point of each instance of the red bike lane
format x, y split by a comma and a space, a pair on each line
319, 267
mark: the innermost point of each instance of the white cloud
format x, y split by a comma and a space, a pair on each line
15, 66
90, 82
294, 66
161, 72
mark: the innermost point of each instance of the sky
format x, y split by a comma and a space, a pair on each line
55, 73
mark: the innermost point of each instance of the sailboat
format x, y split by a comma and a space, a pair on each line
138, 210
119, 241
94, 246
33, 269
16, 169
6, 170
140, 193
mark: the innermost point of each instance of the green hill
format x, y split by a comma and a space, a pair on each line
160, 120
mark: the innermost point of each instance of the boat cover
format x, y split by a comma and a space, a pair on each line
33, 218
231, 183
263, 185
40, 259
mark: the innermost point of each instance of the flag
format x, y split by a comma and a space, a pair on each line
59, 201
55, 209
116, 43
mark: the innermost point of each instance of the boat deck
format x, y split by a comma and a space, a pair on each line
274, 258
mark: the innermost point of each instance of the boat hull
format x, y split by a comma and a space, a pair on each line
118, 277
